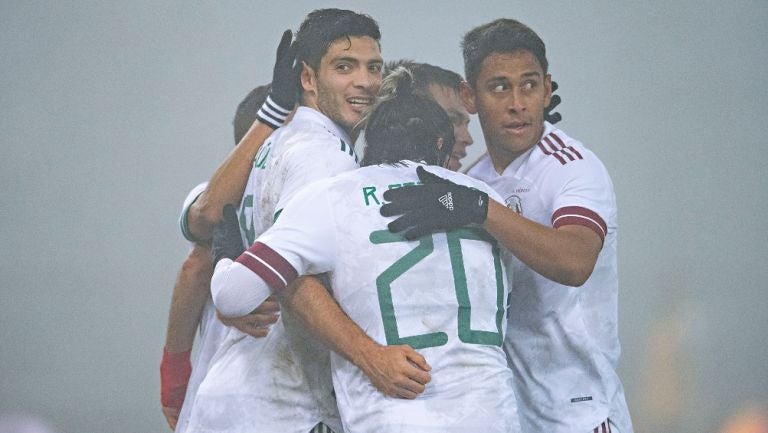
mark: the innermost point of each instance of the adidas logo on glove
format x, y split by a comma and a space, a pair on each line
447, 201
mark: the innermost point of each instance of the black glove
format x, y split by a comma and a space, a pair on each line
554, 101
285, 85
226, 236
438, 204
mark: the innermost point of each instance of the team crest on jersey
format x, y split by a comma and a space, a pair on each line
513, 202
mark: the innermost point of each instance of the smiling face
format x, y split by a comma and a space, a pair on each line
346, 82
449, 100
509, 96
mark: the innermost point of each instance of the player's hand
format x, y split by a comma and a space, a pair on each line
438, 204
257, 322
227, 242
285, 85
396, 371
549, 116
171, 415
175, 369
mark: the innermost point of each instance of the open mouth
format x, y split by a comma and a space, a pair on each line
359, 103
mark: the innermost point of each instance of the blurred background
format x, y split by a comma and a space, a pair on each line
110, 112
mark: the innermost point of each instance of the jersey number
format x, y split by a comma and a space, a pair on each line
408, 261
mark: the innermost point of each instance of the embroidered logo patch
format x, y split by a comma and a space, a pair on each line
513, 202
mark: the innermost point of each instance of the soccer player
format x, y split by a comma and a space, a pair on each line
282, 383
558, 218
191, 305
443, 86
444, 294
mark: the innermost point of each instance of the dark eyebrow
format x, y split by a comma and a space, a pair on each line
532, 74
345, 59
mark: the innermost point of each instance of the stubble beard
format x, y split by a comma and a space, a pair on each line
329, 106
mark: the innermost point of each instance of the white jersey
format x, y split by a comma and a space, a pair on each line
212, 331
563, 341
280, 383
444, 295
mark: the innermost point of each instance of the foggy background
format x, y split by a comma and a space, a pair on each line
110, 112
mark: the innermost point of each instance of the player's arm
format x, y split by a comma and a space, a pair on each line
228, 181
566, 254
189, 295
397, 371
237, 286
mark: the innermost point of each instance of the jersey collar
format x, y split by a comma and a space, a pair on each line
308, 114
485, 165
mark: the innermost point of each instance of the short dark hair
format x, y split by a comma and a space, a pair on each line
246, 110
324, 26
405, 125
425, 74
500, 36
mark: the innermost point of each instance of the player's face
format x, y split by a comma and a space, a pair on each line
451, 102
509, 97
347, 80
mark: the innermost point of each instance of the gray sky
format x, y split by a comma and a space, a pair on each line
110, 112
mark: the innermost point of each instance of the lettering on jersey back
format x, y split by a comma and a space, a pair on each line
369, 192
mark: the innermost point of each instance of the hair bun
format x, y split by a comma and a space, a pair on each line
398, 83
403, 81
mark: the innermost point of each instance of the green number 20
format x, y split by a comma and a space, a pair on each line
409, 260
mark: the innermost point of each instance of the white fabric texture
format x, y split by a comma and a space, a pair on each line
562, 341
280, 383
211, 335
444, 294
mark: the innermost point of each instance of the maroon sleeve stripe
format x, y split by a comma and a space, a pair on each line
564, 147
269, 265
558, 139
563, 150
550, 152
555, 146
576, 215
551, 144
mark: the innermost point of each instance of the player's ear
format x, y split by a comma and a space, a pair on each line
308, 78
467, 94
548, 89
440, 144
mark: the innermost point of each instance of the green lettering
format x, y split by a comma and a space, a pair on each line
370, 191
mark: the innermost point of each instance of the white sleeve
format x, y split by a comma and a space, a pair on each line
236, 291
191, 198
582, 194
302, 241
